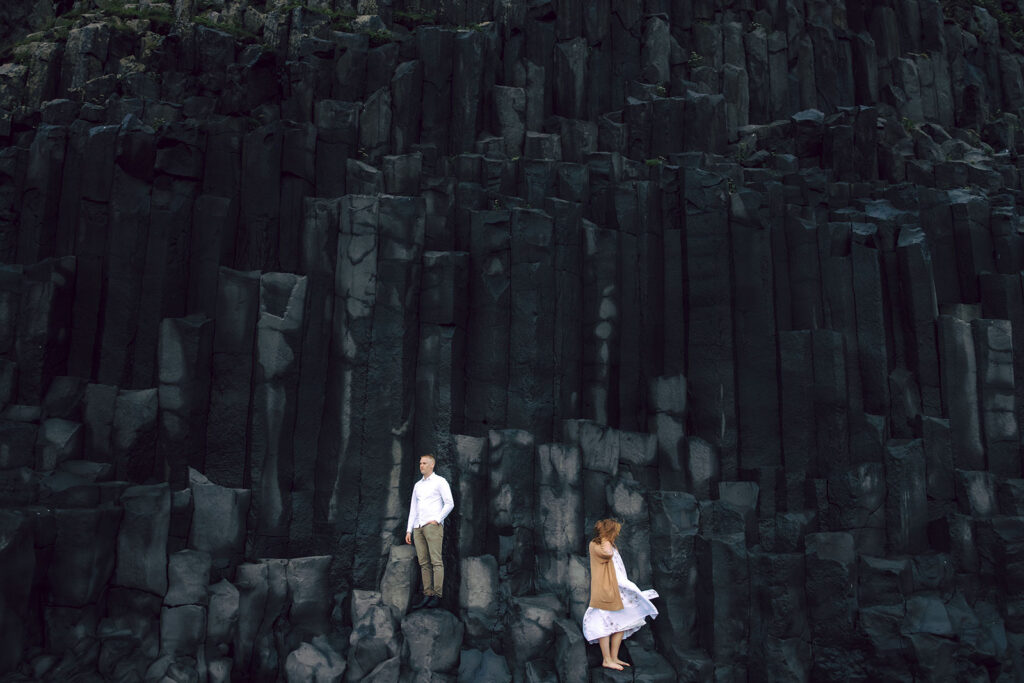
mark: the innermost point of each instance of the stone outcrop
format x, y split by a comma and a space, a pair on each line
745, 276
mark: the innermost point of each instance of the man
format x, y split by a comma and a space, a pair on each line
431, 503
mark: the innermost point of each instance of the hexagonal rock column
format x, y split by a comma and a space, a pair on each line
512, 494
274, 406
142, 539
433, 639
17, 564
183, 367
559, 515
231, 382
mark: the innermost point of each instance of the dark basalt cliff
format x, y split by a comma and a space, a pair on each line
745, 275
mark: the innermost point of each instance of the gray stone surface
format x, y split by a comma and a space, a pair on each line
745, 277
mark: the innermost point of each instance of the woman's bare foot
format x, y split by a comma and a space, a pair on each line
611, 665
619, 661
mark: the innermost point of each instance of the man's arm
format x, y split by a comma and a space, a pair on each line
446, 498
412, 517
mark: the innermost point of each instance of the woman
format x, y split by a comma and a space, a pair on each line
618, 608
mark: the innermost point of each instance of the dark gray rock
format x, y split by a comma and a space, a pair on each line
433, 639
831, 585
142, 539
84, 554
310, 597
906, 505
723, 590
237, 313
19, 565
478, 598
188, 575
17, 444
375, 638
397, 586
218, 521
476, 665
272, 417
668, 400
996, 392
570, 657
559, 512
529, 628
184, 355
134, 434
976, 493
58, 441
316, 661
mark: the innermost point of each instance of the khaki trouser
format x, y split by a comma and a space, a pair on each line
428, 540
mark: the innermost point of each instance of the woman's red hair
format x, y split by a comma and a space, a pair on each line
607, 530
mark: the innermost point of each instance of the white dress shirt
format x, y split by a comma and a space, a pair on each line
431, 501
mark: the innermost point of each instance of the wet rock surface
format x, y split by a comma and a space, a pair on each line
746, 276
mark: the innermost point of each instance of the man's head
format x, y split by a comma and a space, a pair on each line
427, 463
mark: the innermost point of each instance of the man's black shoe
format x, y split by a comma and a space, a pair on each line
434, 601
425, 602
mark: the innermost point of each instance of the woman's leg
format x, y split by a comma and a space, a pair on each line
607, 661
616, 641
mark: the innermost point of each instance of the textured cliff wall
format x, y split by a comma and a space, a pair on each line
745, 275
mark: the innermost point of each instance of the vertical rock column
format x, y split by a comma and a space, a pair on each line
391, 377
337, 131
126, 252
487, 338
435, 45
869, 301
906, 503
440, 369
298, 176
568, 300
778, 618
41, 194
274, 407
531, 396
601, 322
227, 435
668, 423
134, 434
640, 293
212, 230
142, 539
336, 502
512, 507
559, 516
674, 523
472, 502
184, 357
993, 345
709, 315
90, 247
754, 324
830, 565
317, 261
18, 562
919, 298
260, 199
41, 337
165, 271
958, 364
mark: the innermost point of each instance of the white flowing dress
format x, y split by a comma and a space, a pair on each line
636, 607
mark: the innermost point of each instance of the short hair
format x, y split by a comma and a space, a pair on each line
607, 529
429, 455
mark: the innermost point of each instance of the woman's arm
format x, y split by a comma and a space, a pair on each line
604, 549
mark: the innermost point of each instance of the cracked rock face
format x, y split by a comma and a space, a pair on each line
746, 278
